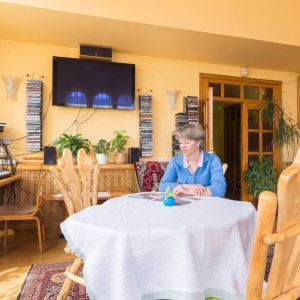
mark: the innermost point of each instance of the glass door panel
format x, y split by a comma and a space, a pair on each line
257, 139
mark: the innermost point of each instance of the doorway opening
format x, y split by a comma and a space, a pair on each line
227, 128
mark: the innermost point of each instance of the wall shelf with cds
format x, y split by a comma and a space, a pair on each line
34, 105
189, 115
191, 108
146, 125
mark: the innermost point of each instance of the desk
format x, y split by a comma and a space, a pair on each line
10, 179
4, 182
140, 249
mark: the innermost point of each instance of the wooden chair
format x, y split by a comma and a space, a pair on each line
284, 277
236, 180
26, 212
225, 167
78, 192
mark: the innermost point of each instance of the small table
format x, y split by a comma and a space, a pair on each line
102, 196
137, 248
10, 179
3, 182
117, 192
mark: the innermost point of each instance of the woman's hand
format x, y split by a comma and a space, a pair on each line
191, 189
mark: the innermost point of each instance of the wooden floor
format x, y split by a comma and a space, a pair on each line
21, 252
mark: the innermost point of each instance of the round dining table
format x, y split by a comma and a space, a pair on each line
136, 248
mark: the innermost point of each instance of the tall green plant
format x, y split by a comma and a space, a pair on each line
286, 132
261, 176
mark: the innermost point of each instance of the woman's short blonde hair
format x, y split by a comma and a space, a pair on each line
193, 131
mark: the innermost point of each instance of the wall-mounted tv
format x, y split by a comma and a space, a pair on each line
93, 83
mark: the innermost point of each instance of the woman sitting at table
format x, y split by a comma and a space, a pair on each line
195, 171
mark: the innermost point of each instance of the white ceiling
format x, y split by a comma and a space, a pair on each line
43, 26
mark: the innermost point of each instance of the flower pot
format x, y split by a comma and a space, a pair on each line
121, 158
101, 158
168, 201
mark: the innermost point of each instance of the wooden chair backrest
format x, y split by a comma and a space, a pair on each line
284, 277
78, 191
224, 167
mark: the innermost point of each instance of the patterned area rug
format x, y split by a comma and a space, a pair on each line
269, 262
44, 281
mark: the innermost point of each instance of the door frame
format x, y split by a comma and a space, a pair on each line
204, 83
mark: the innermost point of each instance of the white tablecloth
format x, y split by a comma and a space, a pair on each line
140, 249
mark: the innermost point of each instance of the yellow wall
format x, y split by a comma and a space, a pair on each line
274, 21
18, 59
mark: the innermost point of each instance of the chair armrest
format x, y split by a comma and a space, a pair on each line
282, 236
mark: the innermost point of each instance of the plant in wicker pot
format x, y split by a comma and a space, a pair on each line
119, 143
73, 142
102, 149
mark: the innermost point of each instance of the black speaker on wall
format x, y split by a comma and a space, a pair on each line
95, 52
49, 155
133, 155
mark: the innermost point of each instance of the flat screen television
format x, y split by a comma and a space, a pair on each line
93, 83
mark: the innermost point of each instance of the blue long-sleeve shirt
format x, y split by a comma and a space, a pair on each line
209, 175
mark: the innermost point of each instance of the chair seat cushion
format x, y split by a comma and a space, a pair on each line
15, 210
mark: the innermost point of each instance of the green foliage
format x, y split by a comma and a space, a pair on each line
73, 142
286, 132
120, 141
169, 193
103, 146
261, 176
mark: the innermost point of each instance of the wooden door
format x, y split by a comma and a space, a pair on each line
257, 138
208, 120
248, 93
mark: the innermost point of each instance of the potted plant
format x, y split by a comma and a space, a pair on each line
168, 199
102, 149
73, 142
119, 143
261, 176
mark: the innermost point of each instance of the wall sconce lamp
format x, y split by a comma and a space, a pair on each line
12, 84
172, 95
244, 71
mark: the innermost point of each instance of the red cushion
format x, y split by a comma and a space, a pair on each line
149, 174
